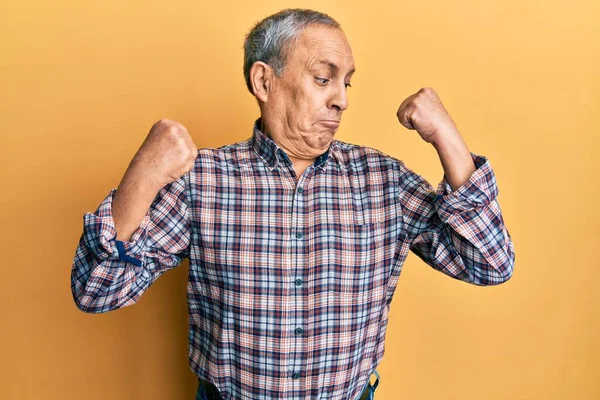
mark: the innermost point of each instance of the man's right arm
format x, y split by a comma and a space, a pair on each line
141, 229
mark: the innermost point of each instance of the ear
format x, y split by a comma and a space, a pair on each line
261, 79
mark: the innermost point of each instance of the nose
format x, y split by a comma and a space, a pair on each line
339, 97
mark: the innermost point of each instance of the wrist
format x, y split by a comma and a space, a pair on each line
142, 173
447, 139
140, 181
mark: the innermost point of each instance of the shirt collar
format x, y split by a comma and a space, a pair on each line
270, 153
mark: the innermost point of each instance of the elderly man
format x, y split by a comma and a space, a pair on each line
295, 240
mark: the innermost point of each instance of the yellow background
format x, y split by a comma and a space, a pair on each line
81, 83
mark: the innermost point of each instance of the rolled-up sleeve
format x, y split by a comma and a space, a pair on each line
107, 273
460, 233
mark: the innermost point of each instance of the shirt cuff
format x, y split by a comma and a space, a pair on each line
100, 234
478, 191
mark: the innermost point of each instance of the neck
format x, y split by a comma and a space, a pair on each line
299, 164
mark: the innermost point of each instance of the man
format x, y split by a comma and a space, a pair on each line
295, 240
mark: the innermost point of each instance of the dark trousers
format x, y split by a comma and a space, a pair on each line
208, 391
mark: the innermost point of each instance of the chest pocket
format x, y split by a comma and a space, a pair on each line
350, 258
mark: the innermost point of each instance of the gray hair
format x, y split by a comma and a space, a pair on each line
270, 40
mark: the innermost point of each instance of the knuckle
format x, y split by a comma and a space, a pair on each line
156, 126
179, 141
172, 136
162, 122
173, 128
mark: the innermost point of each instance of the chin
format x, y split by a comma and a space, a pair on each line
324, 139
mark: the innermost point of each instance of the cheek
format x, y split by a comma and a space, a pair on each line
305, 105
302, 110
313, 107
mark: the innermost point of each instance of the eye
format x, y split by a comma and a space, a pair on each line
322, 81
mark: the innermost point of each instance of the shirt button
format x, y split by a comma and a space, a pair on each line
299, 235
298, 282
299, 331
296, 375
300, 190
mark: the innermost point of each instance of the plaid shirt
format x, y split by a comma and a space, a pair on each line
290, 283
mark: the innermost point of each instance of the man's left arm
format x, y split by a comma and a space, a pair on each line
459, 229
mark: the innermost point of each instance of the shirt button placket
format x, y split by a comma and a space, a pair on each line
297, 362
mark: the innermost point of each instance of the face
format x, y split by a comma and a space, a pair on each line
302, 108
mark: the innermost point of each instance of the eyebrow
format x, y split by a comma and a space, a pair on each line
334, 66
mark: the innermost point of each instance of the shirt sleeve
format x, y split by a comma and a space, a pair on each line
460, 233
108, 274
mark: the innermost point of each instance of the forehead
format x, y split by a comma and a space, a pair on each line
318, 43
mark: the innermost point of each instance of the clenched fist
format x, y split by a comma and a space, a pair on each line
167, 153
425, 113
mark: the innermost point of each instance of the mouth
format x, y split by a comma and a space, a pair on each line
330, 123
